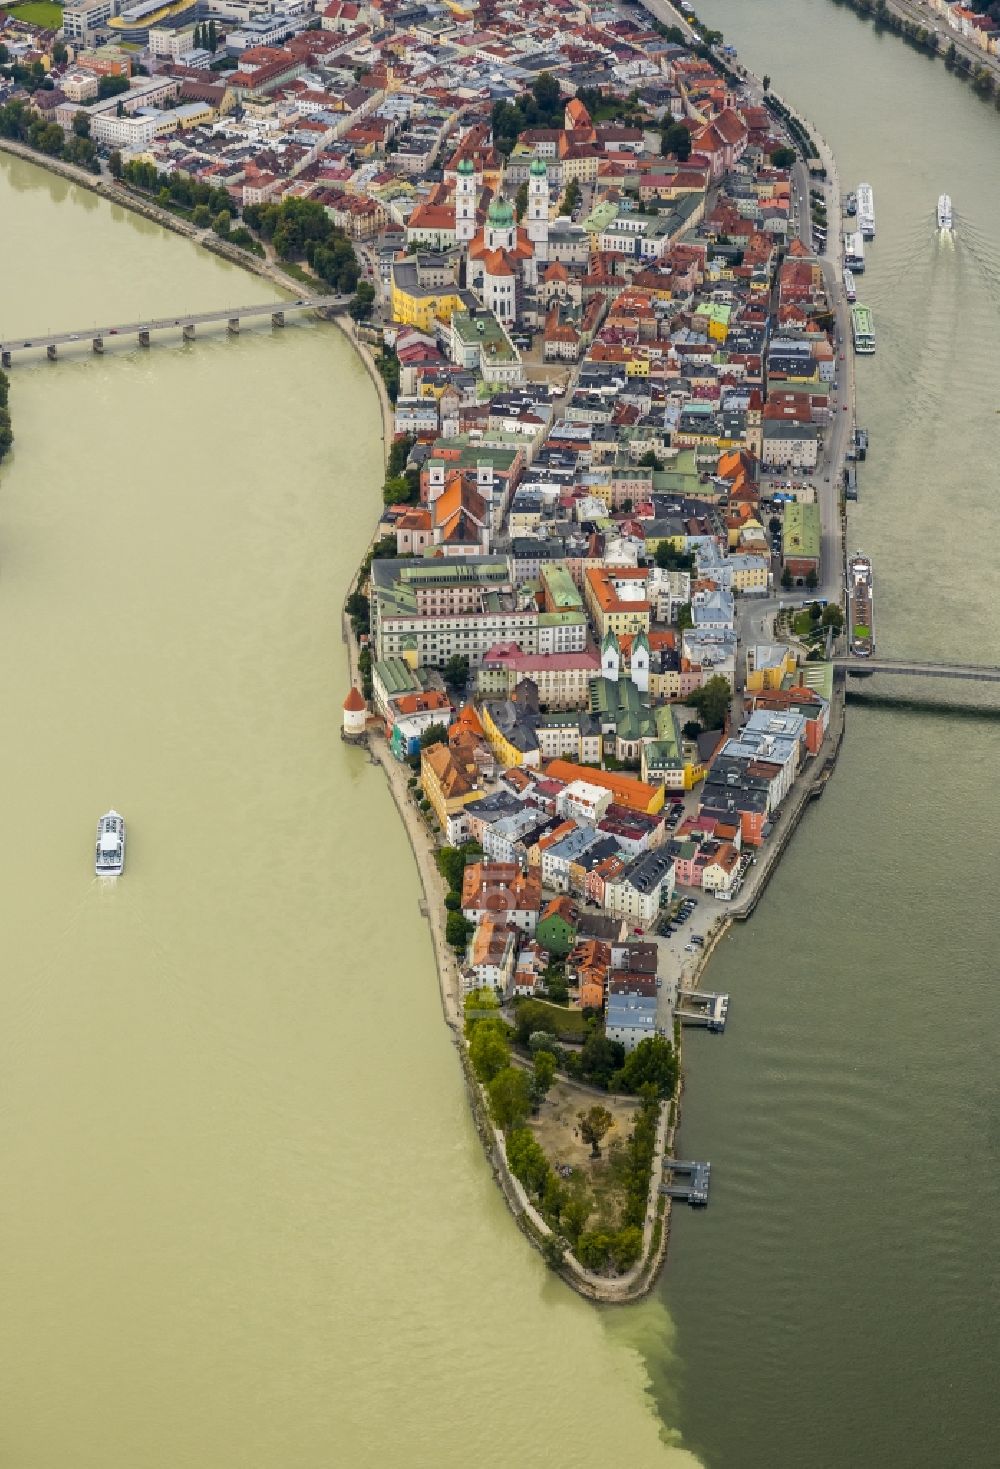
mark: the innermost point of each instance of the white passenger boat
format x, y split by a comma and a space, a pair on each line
866, 211
110, 857
944, 216
850, 289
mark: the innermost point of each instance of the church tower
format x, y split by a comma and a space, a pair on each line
465, 201
538, 208
501, 231
611, 657
639, 666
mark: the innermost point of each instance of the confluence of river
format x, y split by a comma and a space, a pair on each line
245, 1220
836, 1306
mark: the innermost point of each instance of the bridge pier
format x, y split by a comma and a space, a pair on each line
187, 331
6, 358
277, 318
98, 345
144, 338
233, 326
51, 352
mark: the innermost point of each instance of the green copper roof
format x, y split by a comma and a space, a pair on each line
465, 166
500, 213
538, 168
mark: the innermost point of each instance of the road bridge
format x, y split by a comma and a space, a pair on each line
50, 342
913, 668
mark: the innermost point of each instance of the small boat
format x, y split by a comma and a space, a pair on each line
110, 857
944, 217
850, 289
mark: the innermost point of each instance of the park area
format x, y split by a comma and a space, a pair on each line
38, 13
557, 1128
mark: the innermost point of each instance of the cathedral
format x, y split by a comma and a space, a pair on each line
503, 258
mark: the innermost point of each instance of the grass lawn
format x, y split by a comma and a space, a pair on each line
568, 1023
38, 13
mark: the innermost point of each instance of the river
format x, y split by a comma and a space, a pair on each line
245, 1219
836, 1306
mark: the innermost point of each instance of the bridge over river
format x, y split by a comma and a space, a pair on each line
914, 668
50, 342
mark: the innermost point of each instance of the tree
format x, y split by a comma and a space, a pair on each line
545, 1073
593, 1249
600, 1058
530, 1017
575, 1213
521, 202
434, 734
812, 579
815, 611
572, 197
652, 1063
202, 217
675, 141
81, 124
527, 1160
783, 157
626, 1247
595, 1124
115, 164
766, 80
545, 90
363, 301
456, 670
451, 865
833, 617
220, 223
510, 1098
786, 578
489, 1052
212, 37
111, 86
691, 730
457, 930
650, 460
712, 701
670, 560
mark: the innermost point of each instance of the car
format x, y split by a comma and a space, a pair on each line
74, 336
845, 407
113, 332
27, 344
300, 303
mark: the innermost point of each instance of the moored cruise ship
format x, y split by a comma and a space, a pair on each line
863, 330
944, 217
866, 211
850, 289
110, 856
860, 606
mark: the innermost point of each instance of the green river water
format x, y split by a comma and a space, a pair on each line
245, 1220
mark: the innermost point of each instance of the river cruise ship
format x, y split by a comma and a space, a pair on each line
860, 606
944, 216
863, 330
866, 211
850, 289
110, 856
854, 252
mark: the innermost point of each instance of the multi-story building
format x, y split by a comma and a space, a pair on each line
427, 611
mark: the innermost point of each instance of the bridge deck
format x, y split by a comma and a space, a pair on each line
167, 323
914, 668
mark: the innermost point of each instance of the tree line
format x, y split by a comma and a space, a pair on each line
301, 229
6, 432
22, 124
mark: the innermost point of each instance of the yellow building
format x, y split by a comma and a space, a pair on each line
618, 599
505, 749
447, 787
419, 301
768, 665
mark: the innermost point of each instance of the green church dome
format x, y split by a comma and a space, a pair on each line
538, 168
464, 166
500, 214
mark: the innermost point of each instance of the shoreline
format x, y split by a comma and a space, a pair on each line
639, 1281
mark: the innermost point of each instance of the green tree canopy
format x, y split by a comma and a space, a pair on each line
712, 701
509, 1095
783, 157
595, 1124
488, 1050
652, 1063
434, 734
